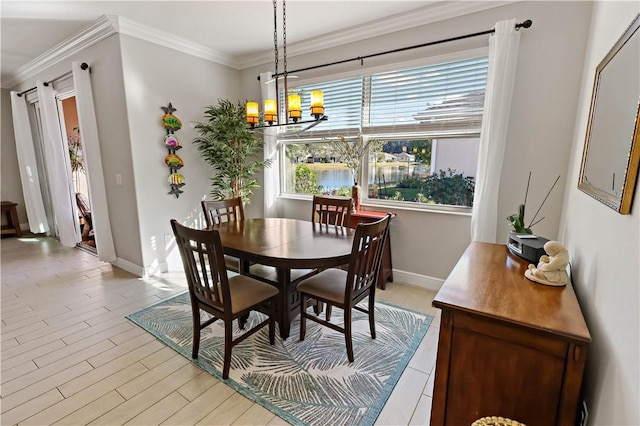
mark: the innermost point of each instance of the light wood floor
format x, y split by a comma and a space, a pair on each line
69, 356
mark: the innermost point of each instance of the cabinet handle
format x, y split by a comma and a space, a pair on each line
577, 353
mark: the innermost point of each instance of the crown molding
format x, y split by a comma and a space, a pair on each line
429, 14
102, 28
153, 35
108, 25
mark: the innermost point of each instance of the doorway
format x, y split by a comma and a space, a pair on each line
68, 111
44, 136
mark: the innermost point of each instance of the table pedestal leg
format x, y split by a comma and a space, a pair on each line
286, 302
244, 270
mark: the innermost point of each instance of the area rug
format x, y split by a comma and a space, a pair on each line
305, 383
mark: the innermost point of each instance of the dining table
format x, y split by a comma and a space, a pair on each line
286, 245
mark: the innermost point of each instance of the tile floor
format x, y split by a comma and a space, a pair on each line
69, 355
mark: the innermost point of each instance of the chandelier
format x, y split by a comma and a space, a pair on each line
293, 108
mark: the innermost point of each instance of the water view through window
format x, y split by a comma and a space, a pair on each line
334, 178
399, 171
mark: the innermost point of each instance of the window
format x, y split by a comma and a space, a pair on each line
313, 169
422, 125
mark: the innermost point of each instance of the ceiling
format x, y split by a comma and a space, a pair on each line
241, 30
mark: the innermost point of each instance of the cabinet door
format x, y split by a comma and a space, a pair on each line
511, 376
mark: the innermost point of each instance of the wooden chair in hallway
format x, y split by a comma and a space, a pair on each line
345, 289
85, 218
212, 291
331, 210
228, 210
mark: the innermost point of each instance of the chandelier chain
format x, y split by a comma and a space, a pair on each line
284, 59
284, 34
275, 33
277, 110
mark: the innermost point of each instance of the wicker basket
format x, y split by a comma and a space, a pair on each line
496, 421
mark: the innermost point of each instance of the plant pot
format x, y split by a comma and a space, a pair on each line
356, 196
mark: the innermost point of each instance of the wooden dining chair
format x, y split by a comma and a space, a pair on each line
212, 291
331, 210
228, 210
345, 289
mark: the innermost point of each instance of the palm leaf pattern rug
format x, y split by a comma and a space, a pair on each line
305, 383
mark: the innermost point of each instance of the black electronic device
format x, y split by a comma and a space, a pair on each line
527, 246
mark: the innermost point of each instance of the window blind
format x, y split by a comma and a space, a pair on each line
442, 97
435, 97
342, 104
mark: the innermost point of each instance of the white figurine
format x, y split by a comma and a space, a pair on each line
552, 268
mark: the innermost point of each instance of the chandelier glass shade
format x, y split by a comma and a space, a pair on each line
293, 109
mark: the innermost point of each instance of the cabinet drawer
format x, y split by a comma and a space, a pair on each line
529, 338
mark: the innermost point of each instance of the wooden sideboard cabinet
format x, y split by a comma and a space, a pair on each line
508, 346
386, 267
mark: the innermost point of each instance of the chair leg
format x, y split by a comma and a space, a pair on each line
196, 332
272, 322
372, 309
347, 333
228, 335
303, 319
317, 307
328, 312
242, 321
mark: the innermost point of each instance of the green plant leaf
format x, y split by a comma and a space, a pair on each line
231, 149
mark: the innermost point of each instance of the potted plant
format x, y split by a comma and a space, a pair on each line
517, 219
231, 149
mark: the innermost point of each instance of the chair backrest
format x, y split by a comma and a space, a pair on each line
366, 256
331, 210
203, 260
228, 210
83, 207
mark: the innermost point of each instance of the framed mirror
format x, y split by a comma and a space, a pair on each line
612, 146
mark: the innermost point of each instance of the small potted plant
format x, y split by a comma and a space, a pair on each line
517, 219
231, 149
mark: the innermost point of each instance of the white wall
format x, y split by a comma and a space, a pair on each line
605, 256
128, 109
155, 76
457, 154
541, 123
108, 93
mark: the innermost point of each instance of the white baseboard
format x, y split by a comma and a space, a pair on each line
129, 267
417, 280
141, 271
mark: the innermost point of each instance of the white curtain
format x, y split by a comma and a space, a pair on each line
93, 163
28, 167
56, 152
503, 55
271, 178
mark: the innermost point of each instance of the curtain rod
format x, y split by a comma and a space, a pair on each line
525, 24
84, 66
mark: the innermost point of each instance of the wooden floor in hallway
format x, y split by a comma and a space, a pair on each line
69, 355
